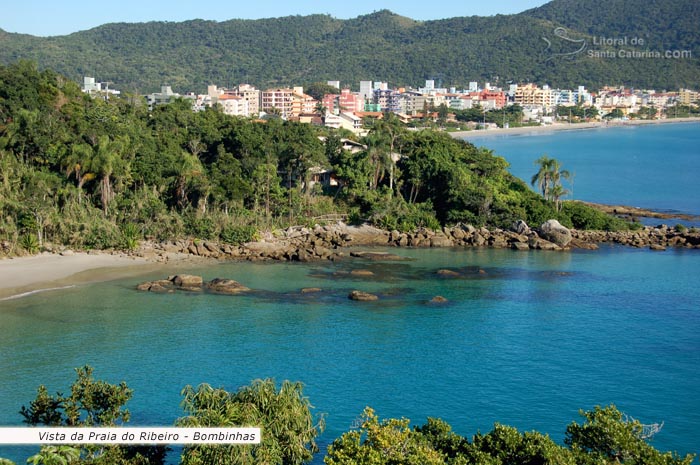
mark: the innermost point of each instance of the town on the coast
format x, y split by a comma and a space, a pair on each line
479, 106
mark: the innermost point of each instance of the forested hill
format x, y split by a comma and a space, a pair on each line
383, 46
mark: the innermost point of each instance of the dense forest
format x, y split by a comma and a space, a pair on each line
290, 428
95, 173
299, 50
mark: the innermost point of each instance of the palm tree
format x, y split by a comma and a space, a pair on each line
188, 168
78, 163
108, 162
548, 179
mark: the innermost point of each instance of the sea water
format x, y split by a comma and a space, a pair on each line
525, 339
651, 166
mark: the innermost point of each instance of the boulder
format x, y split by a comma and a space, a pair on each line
438, 299
187, 281
226, 286
362, 296
440, 241
521, 227
554, 232
519, 246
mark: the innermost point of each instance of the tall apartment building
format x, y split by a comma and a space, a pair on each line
277, 100
388, 100
686, 96
366, 91
251, 95
532, 95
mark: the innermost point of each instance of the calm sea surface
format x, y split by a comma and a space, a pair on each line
527, 338
651, 166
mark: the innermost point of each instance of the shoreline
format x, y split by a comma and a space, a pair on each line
556, 127
46, 272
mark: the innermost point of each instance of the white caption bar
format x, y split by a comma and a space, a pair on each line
129, 435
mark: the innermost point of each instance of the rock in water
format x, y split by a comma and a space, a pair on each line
226, 286
187, 281
362, 296
554, 232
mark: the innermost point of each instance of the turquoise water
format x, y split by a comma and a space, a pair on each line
527, 343
655, 167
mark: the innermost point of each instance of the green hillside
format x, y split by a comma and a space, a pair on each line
379, 46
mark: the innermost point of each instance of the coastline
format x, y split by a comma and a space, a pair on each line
45, 272
566, 127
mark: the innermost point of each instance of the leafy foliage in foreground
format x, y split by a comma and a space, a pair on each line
102, 174
289, 430
284, 416
604, 438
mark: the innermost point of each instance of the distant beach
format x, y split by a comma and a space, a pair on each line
566, 127
19, 276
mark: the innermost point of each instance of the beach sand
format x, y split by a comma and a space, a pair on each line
19, 276
565, 127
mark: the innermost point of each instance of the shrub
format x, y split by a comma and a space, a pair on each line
30, 243
130, 236
679, 228
201, 227
237, 235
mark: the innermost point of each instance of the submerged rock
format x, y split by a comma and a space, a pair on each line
226, 286
448, 273
438, 299
311, 290
376, 256
362, 296
362, 273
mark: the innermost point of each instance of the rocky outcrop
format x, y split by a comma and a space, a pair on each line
554, 232
326, 242
226, 286
362, 296
193, 283
660, 236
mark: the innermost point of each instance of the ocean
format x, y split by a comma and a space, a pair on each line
525, 339
655, 167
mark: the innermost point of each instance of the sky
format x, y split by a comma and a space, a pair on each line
60, 17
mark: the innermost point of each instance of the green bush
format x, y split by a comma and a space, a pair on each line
30, 243
237, 235
582, 216
102, 235
679, 228
130, 236
201, 227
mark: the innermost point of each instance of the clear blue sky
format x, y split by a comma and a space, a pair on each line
59, 17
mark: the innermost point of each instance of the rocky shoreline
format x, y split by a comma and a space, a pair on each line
327, 242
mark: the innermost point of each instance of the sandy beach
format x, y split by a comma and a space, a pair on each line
19, 276
566, 127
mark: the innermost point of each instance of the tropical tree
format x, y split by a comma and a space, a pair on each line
388, 442
548, 179
109, 162
288, 427
55, 455
607, 436
90, 403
